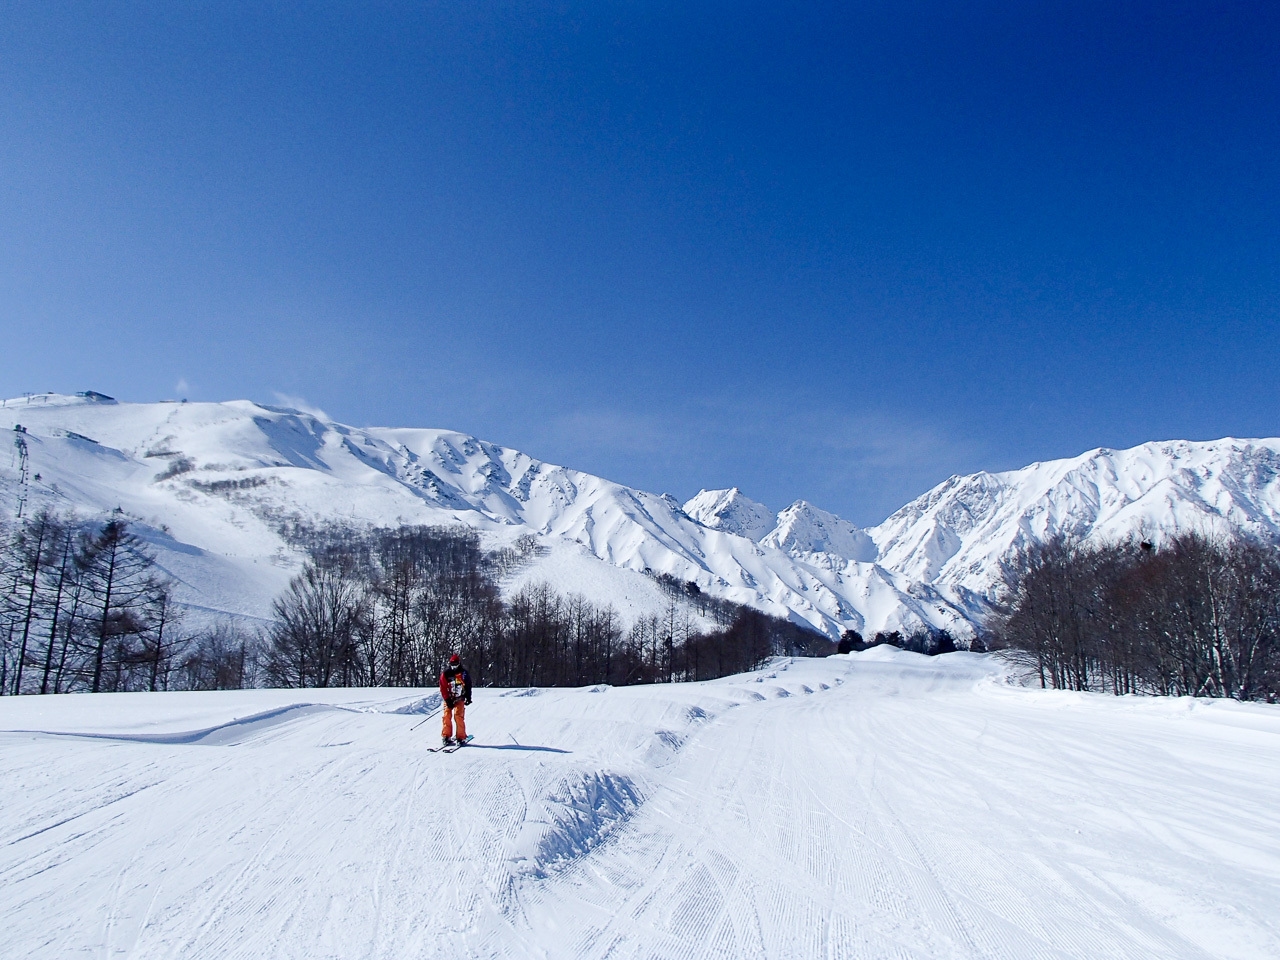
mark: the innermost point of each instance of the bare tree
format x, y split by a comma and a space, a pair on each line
122, 590
318, 627
31, 551
1195, 616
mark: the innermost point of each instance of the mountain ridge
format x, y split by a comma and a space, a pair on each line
216, 486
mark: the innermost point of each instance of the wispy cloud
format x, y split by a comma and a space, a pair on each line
862, 464
301, 405
622, 431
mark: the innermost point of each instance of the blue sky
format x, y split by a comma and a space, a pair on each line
837, 253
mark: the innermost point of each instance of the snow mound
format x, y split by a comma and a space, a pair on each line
576, 815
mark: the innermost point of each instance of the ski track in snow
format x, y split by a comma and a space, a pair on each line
877, 805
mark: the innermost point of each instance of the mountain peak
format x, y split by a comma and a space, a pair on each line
803, 528
731, 511
955, 535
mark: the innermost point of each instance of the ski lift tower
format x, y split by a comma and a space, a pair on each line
24, 466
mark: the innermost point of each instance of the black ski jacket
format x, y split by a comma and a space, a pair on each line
455, 685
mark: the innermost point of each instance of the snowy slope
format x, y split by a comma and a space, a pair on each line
216, 484
878, 805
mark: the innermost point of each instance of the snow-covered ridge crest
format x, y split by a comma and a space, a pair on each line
732, 512
957, 534
802, 528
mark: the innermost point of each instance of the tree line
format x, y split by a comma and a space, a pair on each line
1196, 615
86, 609
931, 642
387, 607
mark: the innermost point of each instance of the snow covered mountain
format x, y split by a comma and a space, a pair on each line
217, 488
956, 535
803, 529
731, 512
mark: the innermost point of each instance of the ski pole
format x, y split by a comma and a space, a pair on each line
423, 720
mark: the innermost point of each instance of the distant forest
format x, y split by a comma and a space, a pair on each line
387, 607
87, 609
1196, 615
928, 641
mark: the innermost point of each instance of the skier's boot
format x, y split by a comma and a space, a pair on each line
446, 741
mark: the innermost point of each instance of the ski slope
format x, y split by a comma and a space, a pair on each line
880, 804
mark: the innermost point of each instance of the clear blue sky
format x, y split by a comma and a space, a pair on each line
834, 252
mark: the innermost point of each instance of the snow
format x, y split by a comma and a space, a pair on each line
731, 511
802, 528
875, 805
956, 536
571, 569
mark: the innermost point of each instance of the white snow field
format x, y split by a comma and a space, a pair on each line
880, 804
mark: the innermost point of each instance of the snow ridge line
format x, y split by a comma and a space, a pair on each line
195, 736
586, 808
417, 707
581, 811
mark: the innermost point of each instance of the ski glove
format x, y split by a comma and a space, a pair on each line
467, 701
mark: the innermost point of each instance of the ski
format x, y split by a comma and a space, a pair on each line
449, 747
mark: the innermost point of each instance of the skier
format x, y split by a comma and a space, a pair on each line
455, 690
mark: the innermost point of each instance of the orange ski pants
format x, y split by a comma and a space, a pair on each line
457, 713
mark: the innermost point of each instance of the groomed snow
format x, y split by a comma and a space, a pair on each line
876, 805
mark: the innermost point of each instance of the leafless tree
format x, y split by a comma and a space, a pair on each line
1196, 615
